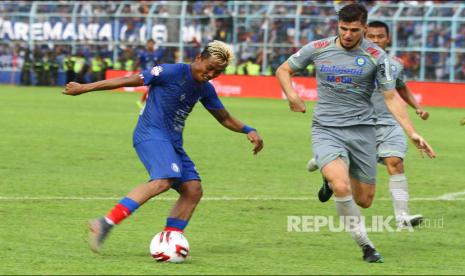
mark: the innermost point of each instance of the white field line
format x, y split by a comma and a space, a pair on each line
451, 196
445, 197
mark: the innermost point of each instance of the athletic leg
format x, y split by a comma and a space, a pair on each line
100, 227
398, 187
190, 193
336, 172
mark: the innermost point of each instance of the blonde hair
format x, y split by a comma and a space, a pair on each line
219, 50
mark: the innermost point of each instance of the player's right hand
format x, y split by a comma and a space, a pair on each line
422, 113
296, 104
422, 145
74, 89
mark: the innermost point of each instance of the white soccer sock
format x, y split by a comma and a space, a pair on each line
353, 222
399, 192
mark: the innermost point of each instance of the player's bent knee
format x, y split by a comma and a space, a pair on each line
192, 190
364, 202
341, 188
395, 165
159, 186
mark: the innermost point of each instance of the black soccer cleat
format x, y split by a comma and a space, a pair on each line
370, 255
98, 232
325, 192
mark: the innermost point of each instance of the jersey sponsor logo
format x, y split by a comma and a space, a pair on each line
388, 72
156, 70
340, 70
174, 167
321, 44
384, 70
373, 52
360, 61
339, 79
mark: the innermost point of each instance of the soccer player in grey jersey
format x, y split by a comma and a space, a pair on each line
390, 139
343, 132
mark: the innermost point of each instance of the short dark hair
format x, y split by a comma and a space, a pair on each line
353, 12
379, 24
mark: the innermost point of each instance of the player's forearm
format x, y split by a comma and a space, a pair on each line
285, 81
399, 112
233, 124
408, 97
113, 83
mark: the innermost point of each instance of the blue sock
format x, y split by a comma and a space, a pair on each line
174, 224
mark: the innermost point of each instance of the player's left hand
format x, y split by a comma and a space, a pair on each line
422, 113
255, 139
422, 145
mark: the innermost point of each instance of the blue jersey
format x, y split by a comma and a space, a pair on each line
172, 95
149, 59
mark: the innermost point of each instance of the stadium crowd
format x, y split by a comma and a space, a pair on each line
211, 20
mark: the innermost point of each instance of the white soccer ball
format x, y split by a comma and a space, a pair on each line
169, 246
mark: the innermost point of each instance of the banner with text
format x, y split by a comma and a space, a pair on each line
427, 93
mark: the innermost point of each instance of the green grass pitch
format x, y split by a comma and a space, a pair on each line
65, 160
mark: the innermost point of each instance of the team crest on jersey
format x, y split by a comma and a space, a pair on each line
156, 70
174, 167
360, 61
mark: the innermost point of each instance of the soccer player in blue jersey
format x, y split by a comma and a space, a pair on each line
147, 59
158, 141
343, 129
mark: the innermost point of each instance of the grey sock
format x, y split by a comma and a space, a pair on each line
353, 222
399, 192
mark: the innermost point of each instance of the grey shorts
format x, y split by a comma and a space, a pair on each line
390, 142
356, 145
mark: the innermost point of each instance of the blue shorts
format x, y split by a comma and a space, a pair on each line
163, 160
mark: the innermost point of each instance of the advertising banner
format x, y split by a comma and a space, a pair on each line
440, 94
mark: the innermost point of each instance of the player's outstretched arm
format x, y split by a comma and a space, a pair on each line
283, 74
229, 122
74, 88
408, 97
400, 113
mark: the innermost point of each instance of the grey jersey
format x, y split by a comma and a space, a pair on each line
382, 113
345, 80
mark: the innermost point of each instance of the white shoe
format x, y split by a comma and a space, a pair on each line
311, 165
409, 221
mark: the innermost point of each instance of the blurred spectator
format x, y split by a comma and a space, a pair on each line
80, 68
54, 68
97, 68
38, 68
149, 57
25, 77
68, 67
251, 68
